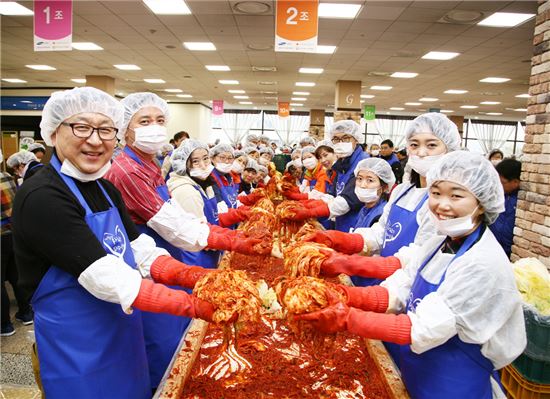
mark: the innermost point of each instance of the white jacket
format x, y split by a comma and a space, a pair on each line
187, 194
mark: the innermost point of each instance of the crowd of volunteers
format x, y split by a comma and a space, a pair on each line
106, 241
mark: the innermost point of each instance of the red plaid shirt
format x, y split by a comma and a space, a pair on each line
7, 184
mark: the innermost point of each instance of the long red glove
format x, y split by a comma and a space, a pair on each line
295, 195
233, 240
157, 298
340, 317
364, 266
347, 243
374, 298
234, 216
169, 271
317, 210
251, 198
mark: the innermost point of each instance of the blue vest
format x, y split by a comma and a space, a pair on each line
228, 193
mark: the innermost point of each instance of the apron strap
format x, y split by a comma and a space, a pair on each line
54, 161
132, 154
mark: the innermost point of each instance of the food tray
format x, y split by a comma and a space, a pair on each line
533, 370
519, 388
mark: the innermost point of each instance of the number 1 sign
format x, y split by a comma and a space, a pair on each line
296, 26
53, 25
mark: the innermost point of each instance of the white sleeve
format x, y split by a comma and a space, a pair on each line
112, 280
180, 228
145, 252
338, 207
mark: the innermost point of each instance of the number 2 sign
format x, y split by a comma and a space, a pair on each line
296, 26
53, 25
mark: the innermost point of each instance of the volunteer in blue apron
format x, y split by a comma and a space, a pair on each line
84, 262
21, 162
225, 189
459, 314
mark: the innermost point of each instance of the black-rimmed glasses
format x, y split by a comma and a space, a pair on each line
84, 131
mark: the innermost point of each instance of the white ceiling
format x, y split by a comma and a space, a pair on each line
386, 36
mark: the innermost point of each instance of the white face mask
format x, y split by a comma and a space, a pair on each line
495, 162
67, 168
151, 138
224, 167
375, 153
343, 149
367, 195
264, 161
453, 227
237, 167
423, 165
201, 174
310, 163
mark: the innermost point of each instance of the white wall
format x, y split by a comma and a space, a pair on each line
193, 118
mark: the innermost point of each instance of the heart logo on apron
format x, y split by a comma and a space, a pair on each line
115, 243
393, 231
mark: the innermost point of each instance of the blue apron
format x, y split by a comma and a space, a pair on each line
228, 193
163, 332
365, 220
329, 188
453, 370
89, 348
205, 258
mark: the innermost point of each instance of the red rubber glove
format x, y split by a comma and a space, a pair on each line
157, 298
169, 271
251, 198
233, 240
316, 211
295, 195
374, 298
364, 266
347, 243
234, 216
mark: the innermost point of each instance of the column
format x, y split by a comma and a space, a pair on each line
105, 83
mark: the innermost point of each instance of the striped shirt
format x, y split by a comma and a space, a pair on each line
8, 187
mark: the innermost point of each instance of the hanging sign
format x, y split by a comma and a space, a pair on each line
53, 25
296, 26
370, 112
434, 110
283, 109
217, 107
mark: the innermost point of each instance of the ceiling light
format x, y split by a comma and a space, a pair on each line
489, 102
521, 109
505, 19
453, 91
245, 102
252, 7
199, 46
127, 67
41, 67
305, 84
13, 8
523, 95
184, 95
229, 82
440, 55
468, 106
296, 105
79, 80
14, 80
168, 7
447, 111
338, 10
298, 99
361, 101
494, 113
264, 69
494, 80
155, 81
404, 75
236, 91
397, 108
413, 103
241, 97
25, 102
173, 90
218, 68
320, 49
86, 46
428, 99
381, 87
300, 93
311, 70
367, 96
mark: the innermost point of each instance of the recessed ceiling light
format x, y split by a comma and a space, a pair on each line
523, 95
440, 55
311, 70
494, 113
397, 108
413, 103
86, 46
241, 97
79, 80
505, 19
321, 49
25, 102
361, 101
296, 105
155, 81
199, 46
127, 67
381, 87
168, 7
9, 80
468, 106
236, 91
298, 99
264, 68
367, 96
13, 8
300, 93
173, 90
218, 67
447, 111
521, 109
338, 10
245, 102
41, 67
494, 80
404, 75
228, 82
453, 91
305, 84
184, 95
428, 99
489, 102
252, 7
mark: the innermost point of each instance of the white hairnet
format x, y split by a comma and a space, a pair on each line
238, 154
219, 148
439, 125
264, 139
477, 174
36, 146
308, 150
262, 168
346, 127
267, 150
250, 149
22, 157
252, 137
307, 141
296, 152
64, 104
379, 167
325, 143
136, 101
273, 142
182, 153
252, 164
